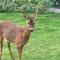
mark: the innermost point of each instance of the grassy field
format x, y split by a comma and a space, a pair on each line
44, 42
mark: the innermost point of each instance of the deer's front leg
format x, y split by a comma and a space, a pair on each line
19, 51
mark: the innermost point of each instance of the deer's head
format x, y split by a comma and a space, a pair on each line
31, 22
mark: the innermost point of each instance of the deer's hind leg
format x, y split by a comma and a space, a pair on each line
10, 51
1, 46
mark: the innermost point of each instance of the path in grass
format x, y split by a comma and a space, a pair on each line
44, 43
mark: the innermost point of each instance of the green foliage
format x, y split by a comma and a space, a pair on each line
8, 5
53, 3
41, 7
25, 6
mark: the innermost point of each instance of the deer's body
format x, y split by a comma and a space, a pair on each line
10, 31
14, 34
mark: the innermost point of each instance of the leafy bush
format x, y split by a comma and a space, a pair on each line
23, 6
41, 7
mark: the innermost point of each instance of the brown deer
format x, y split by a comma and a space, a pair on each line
16, 34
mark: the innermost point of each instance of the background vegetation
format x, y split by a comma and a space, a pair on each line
27, 5
21, 5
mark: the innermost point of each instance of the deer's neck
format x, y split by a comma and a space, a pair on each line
26, 33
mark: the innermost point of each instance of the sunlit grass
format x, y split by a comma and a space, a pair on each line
44, 42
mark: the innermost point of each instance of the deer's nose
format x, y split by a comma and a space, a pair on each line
31, 29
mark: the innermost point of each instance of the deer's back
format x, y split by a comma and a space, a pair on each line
10, 30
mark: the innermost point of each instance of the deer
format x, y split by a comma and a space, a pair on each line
16, 34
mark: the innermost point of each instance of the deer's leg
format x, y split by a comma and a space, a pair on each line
1, 46
10, 51
19, 51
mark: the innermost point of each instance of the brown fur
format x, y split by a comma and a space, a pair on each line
15, 34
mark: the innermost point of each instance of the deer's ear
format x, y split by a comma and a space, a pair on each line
27, 17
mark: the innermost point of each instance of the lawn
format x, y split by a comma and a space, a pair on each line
44, 42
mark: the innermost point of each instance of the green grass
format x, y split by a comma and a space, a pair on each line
44, 42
